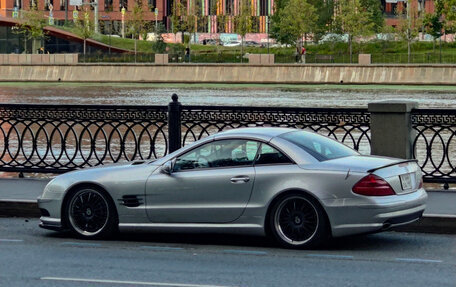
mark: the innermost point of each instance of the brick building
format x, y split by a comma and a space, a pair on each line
216, 16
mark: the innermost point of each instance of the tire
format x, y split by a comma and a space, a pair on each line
90, 214
298, 221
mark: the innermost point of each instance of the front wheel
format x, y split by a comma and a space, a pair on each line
91, 214
298, 221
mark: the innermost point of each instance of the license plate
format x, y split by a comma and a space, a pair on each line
406, 181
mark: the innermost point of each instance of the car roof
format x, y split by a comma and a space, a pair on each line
265, 133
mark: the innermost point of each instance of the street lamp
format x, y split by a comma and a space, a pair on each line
156, 20
122, 11
267, 30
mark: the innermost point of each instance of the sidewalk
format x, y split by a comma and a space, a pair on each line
18, 198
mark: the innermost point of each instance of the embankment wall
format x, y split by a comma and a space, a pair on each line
231, 73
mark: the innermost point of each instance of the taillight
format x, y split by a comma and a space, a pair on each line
421, 183
373, 185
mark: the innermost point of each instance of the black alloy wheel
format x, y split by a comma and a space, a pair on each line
298, 221
90, 213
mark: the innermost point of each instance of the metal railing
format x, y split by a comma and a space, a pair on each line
60, 138
57, 139
435, 143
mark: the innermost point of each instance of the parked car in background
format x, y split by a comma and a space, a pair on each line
209, 42
251, 44
231, 44
297, 187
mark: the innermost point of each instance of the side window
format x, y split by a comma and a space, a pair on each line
223, 153
269, 155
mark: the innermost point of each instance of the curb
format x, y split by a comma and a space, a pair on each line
429, 223
19, 208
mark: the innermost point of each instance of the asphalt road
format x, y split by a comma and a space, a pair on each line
30, 256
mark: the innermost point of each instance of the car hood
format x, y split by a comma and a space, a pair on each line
113, 166
357, 163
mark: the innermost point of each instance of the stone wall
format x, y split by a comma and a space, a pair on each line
38, 59
231, 73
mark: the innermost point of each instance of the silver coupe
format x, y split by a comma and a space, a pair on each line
298, 187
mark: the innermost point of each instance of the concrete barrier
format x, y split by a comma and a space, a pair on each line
364, 59
233, 73
161, 59
261, 59
38, 59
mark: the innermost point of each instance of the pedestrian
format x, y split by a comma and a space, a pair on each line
187, 55
297, 55
303, 55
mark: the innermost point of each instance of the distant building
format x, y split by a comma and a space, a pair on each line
214, 16
390, 8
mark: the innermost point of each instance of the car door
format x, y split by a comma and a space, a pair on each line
209, 184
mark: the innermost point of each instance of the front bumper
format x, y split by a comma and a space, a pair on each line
50, 223
50, 213
362, 214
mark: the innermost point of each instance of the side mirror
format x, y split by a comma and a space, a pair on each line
167, 168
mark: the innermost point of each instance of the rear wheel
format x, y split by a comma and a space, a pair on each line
90, 213
298, 221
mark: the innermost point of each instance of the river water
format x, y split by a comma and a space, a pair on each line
283, 97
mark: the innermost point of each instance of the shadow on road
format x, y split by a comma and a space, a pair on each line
387, 240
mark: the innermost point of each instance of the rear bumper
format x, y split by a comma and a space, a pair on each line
363, 214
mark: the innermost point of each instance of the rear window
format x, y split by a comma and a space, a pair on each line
320, 147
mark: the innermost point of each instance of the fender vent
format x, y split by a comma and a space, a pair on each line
131, 201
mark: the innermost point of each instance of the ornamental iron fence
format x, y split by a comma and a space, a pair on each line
60, 138
435, 144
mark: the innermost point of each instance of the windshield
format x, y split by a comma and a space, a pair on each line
320, 147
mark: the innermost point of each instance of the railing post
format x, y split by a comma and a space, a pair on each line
391, 128
174, 124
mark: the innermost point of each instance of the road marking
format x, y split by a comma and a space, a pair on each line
236, 251
129, 282
11, 240
80, 244
335, 256
161, 248
418, 260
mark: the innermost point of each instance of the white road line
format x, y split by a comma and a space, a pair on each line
80, 244
252, 252
418, 260
11, 240
129, 282
161, 248
335, 256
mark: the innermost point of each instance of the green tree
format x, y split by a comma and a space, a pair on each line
136, 23
184, 20
325, 12
243, 22
84, 28
297, 19
354, 20
32, 26
434, 22
448, 8
274, 28
375, 13
408, 27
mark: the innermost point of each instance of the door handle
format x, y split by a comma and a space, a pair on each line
240, 179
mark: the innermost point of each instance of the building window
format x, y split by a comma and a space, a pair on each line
152, 4
108, 5
123, 4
